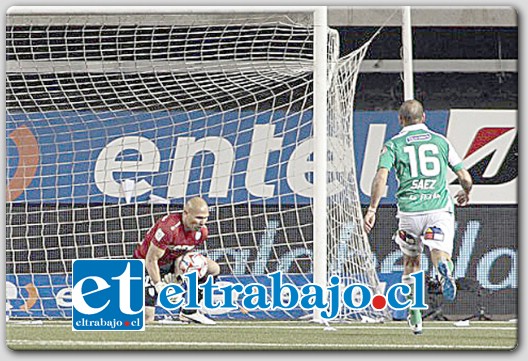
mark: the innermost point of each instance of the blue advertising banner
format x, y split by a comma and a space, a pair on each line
117, 157
85, 157
39, 295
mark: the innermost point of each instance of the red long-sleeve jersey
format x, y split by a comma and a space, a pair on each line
169, 233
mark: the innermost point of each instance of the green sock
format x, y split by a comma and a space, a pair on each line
416, 315
451, 266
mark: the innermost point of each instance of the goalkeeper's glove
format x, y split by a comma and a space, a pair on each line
159, 286
169, 278
172, 278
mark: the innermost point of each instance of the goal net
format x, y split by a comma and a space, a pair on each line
114, 120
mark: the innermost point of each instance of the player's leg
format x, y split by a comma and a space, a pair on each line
439, 238
150, 312
412, 248
151, 295
445, 268
150, 299
213, 269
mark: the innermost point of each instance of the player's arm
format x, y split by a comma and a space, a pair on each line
154, 253
213, 268
465, 180
376, 193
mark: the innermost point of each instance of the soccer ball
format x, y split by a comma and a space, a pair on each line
194, 261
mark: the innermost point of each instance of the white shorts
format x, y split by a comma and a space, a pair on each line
434, 230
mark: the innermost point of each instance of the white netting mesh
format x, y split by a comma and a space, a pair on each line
112, 124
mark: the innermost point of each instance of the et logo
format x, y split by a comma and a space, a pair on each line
108, 295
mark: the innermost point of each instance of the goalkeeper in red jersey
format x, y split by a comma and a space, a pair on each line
163, 247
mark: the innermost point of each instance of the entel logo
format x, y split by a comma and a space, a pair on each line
108, 295
263, 143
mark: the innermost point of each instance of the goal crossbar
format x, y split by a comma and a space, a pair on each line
168, 66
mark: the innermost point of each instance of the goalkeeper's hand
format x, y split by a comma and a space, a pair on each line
172, 278
159, 286
169, 278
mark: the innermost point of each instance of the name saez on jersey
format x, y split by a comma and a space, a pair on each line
423, 185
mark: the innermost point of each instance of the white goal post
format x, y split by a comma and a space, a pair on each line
117, 115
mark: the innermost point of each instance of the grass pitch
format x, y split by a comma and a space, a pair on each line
268, 335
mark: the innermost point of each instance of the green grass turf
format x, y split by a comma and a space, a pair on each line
267, 335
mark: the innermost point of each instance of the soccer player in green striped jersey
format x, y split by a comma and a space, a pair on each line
421, 158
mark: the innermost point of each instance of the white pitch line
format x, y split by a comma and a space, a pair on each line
285, 327
267, 322
250, 344
341, 327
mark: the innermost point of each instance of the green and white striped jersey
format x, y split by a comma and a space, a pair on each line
420, 158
